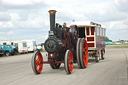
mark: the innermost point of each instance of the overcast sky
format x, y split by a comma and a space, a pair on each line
29, 19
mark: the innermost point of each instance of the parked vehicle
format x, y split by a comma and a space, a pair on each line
6, 50
13, 48
1, 52
21, 46
31, 45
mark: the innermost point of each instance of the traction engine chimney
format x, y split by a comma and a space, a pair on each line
52, 19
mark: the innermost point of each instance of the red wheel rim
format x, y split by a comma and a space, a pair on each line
70, 61
85, 53
38, 62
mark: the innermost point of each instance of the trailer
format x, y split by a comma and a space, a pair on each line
5, 42
95, 36
31, 45
21, 45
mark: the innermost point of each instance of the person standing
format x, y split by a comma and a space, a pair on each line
65, 28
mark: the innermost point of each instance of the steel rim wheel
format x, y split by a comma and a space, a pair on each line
78, 52
102, 54
97, 57
83, 53
68, 62
37, 62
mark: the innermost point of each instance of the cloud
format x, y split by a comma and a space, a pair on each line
5, 25
122, 5
4, 16
23, 4
119, 34
7, 33
2, 38
103, 12
118, 25
14, 16
10, 33
29, 19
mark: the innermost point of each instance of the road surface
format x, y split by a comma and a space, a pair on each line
16, 70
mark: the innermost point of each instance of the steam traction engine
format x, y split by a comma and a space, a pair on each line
63, 46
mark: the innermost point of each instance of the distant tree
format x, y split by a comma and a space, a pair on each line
107, 39
121, 40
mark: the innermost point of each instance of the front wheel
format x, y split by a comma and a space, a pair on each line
37, 62
68, 61
7, 53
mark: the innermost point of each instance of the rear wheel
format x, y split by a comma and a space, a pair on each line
78, 53
83, 53
37, 62
68, 61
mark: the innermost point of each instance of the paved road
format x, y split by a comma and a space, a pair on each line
16, 70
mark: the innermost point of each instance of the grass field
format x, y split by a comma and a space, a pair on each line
118, 46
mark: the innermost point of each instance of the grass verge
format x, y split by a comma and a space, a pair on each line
118, 46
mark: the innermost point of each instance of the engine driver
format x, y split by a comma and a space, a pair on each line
65, 28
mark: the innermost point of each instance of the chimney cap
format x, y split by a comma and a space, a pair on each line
52, 11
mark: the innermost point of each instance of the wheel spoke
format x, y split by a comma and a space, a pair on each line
37, 62
70, 65
70, 62
40, 68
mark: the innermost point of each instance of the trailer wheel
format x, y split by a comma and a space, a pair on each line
55, 66
83, 53
102, 54
7, 53
97, 58
37, 62
78, 53
68, 61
